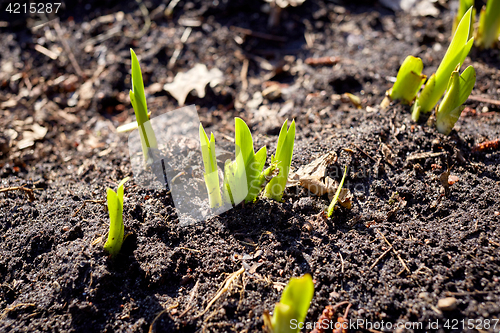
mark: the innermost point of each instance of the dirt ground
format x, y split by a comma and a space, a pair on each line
405, 244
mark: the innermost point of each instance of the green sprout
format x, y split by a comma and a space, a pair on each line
253, 162
293, 306
336, 197
489, 25
211, 172
456, 53
244, 178
463, 6
138, 101
459, 89
283, 159
408, 81
116, 228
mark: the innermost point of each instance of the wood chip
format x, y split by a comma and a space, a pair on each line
422, 156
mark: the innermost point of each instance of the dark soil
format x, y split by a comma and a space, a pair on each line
54, 273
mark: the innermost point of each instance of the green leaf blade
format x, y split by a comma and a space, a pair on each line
451, 107
489, 25
284, 152
116, 228
294, 304
211, 174
331, 207
408, 81
457, 52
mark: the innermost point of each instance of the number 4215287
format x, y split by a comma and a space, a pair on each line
33, 8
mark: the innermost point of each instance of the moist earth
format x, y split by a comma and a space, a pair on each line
409, 240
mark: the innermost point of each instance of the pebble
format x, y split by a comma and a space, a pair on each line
447, 304
425, 296
272, 92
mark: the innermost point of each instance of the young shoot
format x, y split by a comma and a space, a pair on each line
463, 6
459, 89
138, 101
456, 53
211, 174
116, 228
283, 159
235, 188
408, 81
293, 306
331, 208
253, 162
489, 25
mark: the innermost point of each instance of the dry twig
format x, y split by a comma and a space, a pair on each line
395, 252
27, 191
487, 145
229, 280
65, 44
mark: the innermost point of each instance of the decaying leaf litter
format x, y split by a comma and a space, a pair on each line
54, 274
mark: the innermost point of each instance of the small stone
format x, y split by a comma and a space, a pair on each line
272, 92
425, 296
447, 304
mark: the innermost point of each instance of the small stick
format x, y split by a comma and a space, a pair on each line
187, 248
178, 50
322, 61
45, 51
260, 35
380, 258
65, 44
483, 100
342, 263
341, 321
395, 252
225, 288
191, 297
12, 308
361, 150
493, 144
84, 203
243, 74
27, 191
493, 242
152, 327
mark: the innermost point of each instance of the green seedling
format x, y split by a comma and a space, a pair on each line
253, 162
331, 208
244, 178
211, 172
116, 228
408, 81
489, 25
459, 89
463, 7
293, 306
456, 53
138, 101
283, 159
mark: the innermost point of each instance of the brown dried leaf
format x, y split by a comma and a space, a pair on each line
195, 79
35, 133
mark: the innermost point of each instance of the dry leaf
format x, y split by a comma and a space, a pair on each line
345, 198
195, 79
35, 133
414, 7
286, 3
312, 175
